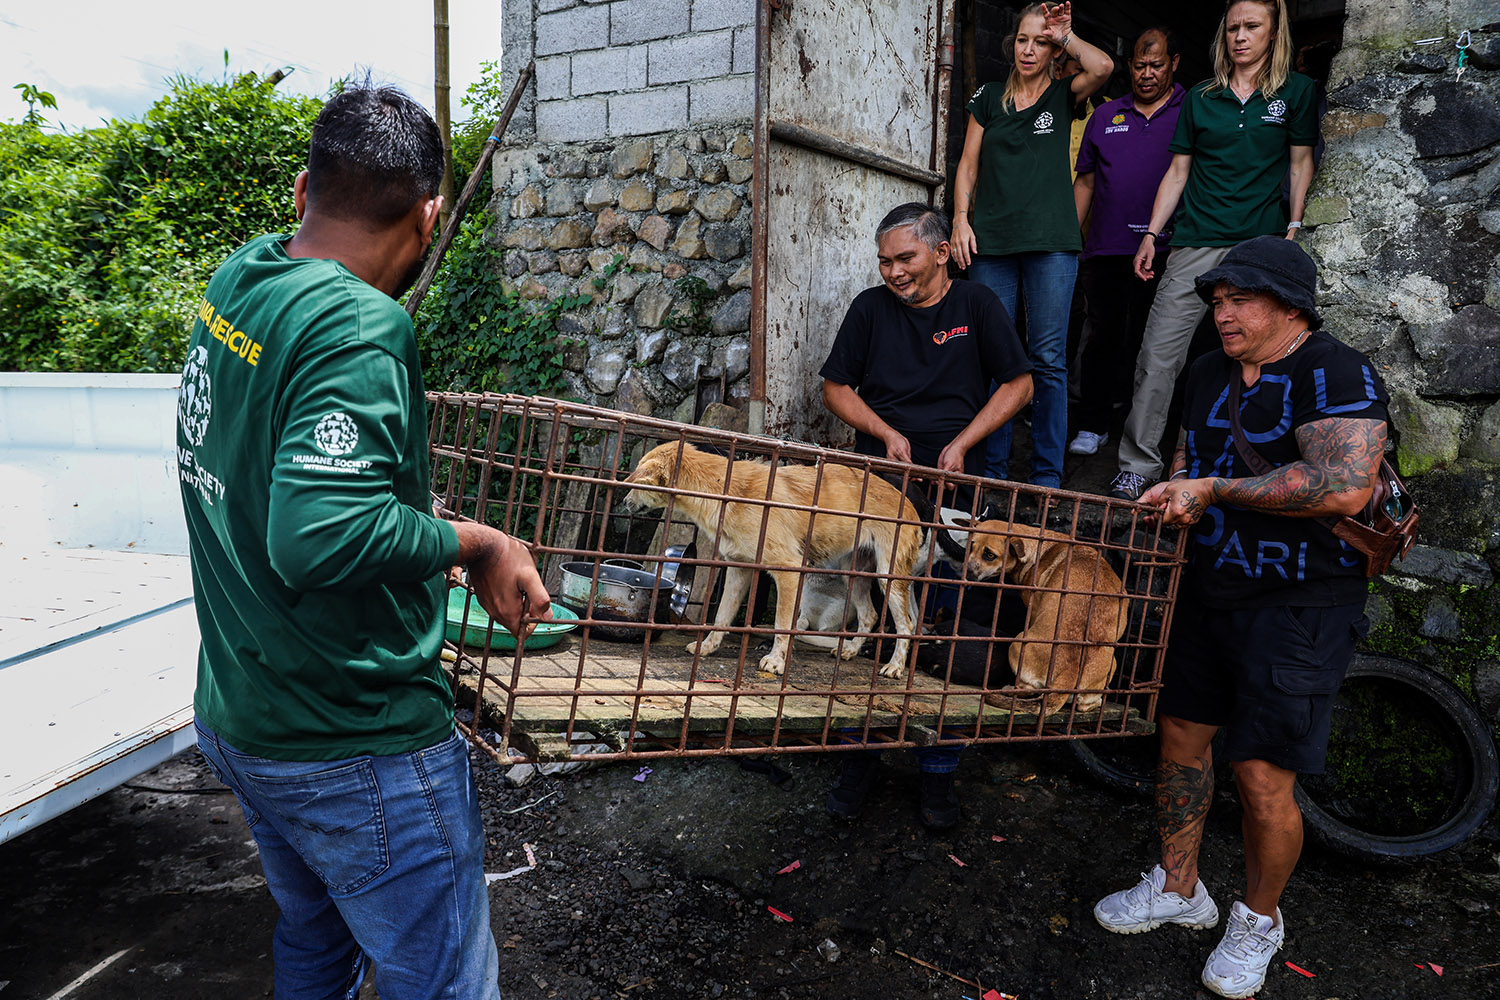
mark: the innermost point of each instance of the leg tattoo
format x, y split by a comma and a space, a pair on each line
1184, 792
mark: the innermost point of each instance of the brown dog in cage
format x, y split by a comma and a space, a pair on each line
1073, 617
835, 491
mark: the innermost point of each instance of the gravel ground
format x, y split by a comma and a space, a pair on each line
661, 888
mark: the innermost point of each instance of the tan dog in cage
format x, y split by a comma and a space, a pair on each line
837, 493
1072, 624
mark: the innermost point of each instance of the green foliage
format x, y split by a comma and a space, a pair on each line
34, 95
699, 295
614, 267
477, 337
108, 235
485, 99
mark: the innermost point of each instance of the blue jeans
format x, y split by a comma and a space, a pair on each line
372, 860
930, 760
1045, 282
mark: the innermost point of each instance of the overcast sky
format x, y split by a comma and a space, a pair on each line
104, 58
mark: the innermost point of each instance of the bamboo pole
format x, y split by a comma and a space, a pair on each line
440, 98
440, 247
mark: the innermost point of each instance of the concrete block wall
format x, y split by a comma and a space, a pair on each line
618, 68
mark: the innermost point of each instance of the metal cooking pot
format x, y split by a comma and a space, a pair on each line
623, 594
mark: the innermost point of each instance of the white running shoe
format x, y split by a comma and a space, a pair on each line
1087, 443
1237, 967
1145, 907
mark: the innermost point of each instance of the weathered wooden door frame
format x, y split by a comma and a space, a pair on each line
765, 128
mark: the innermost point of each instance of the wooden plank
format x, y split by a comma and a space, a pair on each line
614, 696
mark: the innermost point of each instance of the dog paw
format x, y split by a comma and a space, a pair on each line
703, 647
773, 663
891, 670
851, 648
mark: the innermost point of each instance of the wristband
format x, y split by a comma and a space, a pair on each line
1179, 472
1154, 236
1295, 224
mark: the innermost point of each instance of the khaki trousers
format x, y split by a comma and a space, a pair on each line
1175, 314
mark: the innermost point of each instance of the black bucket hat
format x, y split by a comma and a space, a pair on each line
1268, 264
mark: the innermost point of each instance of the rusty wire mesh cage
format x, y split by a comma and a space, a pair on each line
718, 592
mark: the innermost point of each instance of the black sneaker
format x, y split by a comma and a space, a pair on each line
1128, 486
939, 801
855, 781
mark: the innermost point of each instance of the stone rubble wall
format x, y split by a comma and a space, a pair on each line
624, 224
1404, 219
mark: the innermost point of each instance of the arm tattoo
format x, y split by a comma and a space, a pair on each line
1339, 455
1179, 456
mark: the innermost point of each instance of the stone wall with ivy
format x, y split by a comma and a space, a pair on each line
655, 232
1404, 219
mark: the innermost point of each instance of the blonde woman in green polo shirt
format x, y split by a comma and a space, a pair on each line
1015, 226
1237, 137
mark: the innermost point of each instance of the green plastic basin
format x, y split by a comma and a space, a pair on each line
545, 634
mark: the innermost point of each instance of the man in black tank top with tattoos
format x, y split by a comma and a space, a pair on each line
1272, 603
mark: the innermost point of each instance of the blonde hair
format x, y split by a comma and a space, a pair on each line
1013, 82
1278, 64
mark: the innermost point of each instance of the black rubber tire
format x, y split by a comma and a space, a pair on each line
1473, 770
1127, 764
1122, 763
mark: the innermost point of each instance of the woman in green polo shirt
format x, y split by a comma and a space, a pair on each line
1015, 227
1237, 137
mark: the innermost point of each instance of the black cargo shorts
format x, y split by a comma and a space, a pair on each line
1267, 675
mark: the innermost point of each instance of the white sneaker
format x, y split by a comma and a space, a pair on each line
1087, 443
1237, 967
1145, 907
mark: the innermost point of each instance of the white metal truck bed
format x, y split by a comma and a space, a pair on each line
98, 640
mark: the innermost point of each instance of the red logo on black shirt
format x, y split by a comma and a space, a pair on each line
943, 336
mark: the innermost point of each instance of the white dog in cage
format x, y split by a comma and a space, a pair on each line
832, 602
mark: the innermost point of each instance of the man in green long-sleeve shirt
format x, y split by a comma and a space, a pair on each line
319, 575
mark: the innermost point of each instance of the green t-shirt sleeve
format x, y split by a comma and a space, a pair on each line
1182, 138
981, 106
1304, 105
334, 519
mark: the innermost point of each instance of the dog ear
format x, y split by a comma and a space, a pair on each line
1022, 549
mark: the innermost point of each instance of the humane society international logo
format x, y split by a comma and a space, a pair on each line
336, 434
1043, 123
195, 398
1276, 112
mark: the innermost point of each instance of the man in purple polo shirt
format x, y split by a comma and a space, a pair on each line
1120, 164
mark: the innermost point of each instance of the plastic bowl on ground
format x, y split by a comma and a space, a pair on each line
545, 634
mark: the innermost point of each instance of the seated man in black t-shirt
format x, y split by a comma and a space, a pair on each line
910, 371
912, 364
